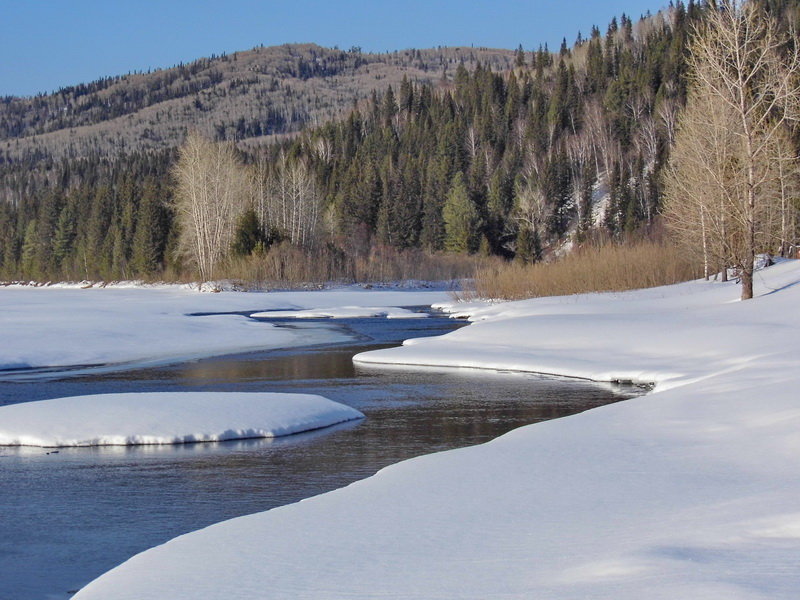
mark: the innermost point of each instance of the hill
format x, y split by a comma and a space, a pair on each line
496, 152
447, 151
254, 95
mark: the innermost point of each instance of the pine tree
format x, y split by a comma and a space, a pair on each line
460, 218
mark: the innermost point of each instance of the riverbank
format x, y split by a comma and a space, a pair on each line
688, 492
58, 326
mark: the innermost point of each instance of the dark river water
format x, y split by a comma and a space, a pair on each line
67, 517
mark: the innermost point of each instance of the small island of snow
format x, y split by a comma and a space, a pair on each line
342, 312
166, 418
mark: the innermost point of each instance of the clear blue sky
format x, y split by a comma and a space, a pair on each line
50, 44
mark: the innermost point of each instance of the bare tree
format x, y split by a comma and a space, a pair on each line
602, 139
531, 208
668, 113
579, 151
700, 188
785, 180
211, 193
291, 202
743, 74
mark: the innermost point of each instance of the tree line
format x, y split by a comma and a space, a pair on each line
498, 163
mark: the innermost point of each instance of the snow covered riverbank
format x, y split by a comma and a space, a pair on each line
688, 492
165, 418
58, 326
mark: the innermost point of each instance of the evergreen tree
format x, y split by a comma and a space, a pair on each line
460, 218
248, 236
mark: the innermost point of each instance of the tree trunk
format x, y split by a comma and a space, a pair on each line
747, 273
747, 282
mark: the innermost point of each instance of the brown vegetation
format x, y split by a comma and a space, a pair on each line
287, 266
597, 268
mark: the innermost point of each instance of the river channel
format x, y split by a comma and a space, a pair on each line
67, 517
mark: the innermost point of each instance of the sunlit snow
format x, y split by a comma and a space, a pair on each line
688, 492
343, 312
62, 326
165, 418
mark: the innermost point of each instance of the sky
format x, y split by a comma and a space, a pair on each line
48, 44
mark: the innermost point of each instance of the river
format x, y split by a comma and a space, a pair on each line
67, 517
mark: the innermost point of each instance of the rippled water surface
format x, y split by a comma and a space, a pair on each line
69, 516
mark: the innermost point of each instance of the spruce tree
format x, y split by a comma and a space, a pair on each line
460, 218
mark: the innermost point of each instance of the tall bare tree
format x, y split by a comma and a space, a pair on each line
291, 202
211, 193
701, 189
745, 75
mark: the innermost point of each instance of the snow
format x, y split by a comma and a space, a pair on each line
63, 326
165, 418
343, 312
690, 491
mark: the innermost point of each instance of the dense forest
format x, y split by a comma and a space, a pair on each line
520, 162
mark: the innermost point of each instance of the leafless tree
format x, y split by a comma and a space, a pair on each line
785, 184
700, 189
211, 193
531, 208
743, 73
579, 151
291, 203
604, 145
668, 114
471, 142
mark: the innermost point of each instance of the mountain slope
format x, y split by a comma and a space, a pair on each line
259, 93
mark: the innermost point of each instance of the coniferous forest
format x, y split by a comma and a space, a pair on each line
520, 163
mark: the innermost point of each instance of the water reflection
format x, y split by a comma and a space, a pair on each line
318, 365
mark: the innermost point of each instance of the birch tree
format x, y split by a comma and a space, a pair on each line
743, 74
211, 193
291, 202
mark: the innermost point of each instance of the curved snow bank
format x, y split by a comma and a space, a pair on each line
165, 418
689, 492
343, 312
668, 335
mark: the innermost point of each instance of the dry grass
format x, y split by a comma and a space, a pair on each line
286, 266
605, 268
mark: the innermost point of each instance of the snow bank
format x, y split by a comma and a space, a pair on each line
52, 326
165, 418
343, 312
667, 335
689, 492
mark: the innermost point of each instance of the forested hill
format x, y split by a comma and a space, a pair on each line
255, 94
518, 163
516, 159
513, 153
